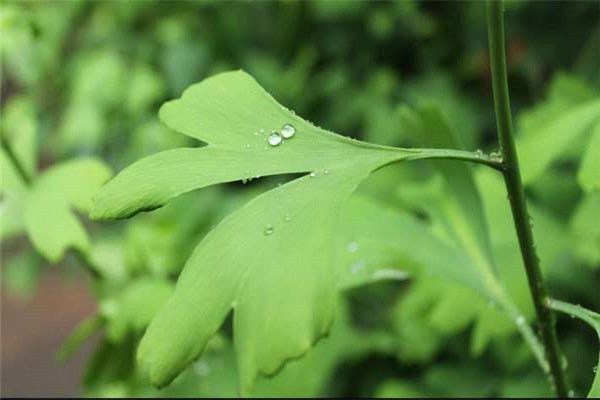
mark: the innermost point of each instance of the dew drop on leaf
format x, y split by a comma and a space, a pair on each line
520, 320
287, 131
275, 139
287, 218
269, 230
352, 247
357, 266
201, 368
312, 175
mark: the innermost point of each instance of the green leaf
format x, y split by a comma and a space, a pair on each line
461, 210
235, 116
589, 170
591, 318
133, 308
20, 274
585, 230
378, 242
214, 374
80, 334
13, 191
451, 199
50, 223
279, 278
538, 149
279, 268
282, 263
557, 127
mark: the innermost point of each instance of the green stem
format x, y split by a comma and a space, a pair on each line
478, 157
14, 160
516, 195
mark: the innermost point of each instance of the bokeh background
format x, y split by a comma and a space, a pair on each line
86, 78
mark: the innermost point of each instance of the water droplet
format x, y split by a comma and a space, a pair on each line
201, 368
357, 266
394, 274
269, 230
244, 181
496, 156
595, 369
571, 393
255, 133
262, 130
326, 172
287, 218
287, 131
312, 175
275, 139
520, 320
478, 153
352, 247
247, 145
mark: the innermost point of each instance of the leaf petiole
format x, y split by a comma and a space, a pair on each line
14, 160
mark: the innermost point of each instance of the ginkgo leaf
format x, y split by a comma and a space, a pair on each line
214, 373
592, 319
539, 148
585, 230
50, 223
232, 113
13, 191
272, 260
133, 308
78, 336
458, 217
378, 242
462, 210
277, 275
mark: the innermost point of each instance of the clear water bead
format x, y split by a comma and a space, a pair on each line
287, 131
352, 247
357, 266
269, 230
275, 139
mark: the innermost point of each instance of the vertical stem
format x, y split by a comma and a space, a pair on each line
14, 160
516, 194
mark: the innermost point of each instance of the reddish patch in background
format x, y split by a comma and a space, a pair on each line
33, 329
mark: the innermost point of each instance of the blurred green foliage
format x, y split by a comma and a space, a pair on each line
85, 79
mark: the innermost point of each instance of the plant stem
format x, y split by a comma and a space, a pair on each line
14, 160
516, 195
478, 157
